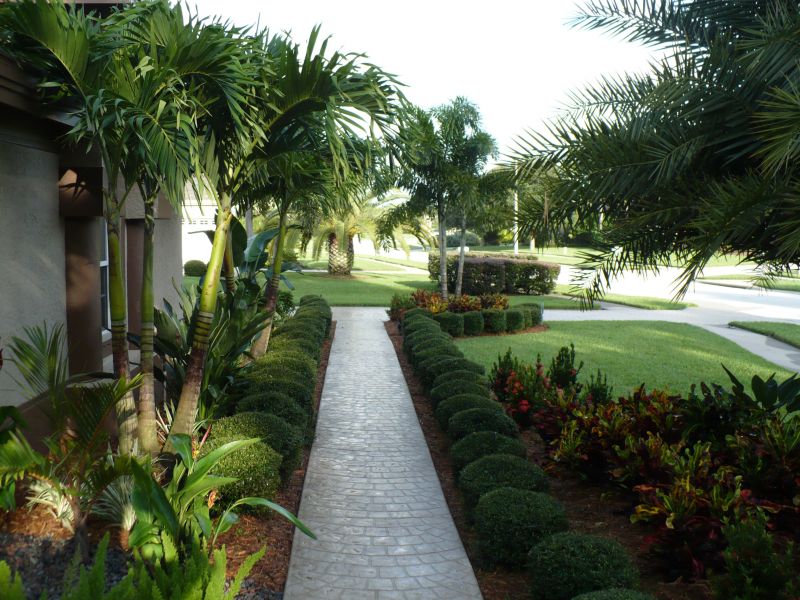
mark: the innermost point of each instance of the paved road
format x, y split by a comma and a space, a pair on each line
371, 493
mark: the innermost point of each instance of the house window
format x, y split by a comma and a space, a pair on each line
105, 307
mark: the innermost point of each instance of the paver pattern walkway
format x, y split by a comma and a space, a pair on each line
371, 493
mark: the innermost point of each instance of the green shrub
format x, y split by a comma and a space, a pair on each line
527, 277
194, 268
278, 404
300, 329
568, 564
494, 320
483, 443
481, 419
416, 311
11, 583
257, 469
455, 404
285, 439
399, 305
422, 344
298, 362
299, 344
313, 324
452, 323
438, 349
509, 522
515, 320
536, 313
461, 375
614, 594
412, 340
300, 392
500, 471
421, 325
430, 374
456, 387
473, 323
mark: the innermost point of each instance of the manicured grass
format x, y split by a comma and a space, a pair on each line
783, 332
361, 263
785, 284
373, 289
401, 261
644, 302
658, 354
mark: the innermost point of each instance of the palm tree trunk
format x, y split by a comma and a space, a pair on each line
460, 275
148, 436
351, 254
126, 407
190, 394
259, 347
229, 269
339, 262
442, 251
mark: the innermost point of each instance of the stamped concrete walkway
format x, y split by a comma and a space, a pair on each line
371, 493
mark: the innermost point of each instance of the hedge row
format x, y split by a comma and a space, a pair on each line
516, 522
490, 320
489, 274
277, 406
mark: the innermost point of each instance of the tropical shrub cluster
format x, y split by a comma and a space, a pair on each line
516, 522
494, 273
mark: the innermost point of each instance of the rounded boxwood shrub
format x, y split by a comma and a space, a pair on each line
500, 471
568, 564
509, 522
494, 320
299, 329
418, 323
614, 594
461, 375
285, 439
448, 389
483, 443
423, 337
536, 313
300, 392
472, 420
451, 364
278, 404
415, 312
473, 323
515, 320
455, 404
301, 344
452, 323
298, 362
194, 268
440, 347
255, 467
425, 365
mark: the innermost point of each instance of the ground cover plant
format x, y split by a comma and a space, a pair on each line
631, 353
788, 333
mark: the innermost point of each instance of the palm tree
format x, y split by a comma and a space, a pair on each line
695, 158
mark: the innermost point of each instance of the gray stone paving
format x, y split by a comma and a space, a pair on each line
371, 493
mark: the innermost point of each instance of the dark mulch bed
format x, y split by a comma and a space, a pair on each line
40, 550
591, 509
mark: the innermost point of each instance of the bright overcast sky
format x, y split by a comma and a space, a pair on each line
516, 59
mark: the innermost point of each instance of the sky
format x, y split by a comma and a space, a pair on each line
516, 59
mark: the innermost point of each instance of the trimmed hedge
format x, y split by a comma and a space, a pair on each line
568, 564
194, 268
500, 471
498, 273
287, 360
295, 344
416, 311
615, 594
515, 320
455, 404
484, 443
509, 522
537, 313
473, 323
300, 392
285, 439
447, 348
494, 320
278, 404
457, 387
452, 323
461, 375
432, 371
256, 469
473, 420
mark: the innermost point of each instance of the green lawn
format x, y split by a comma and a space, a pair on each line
361, 263
645, 302
786, 284
783, 332
658, 354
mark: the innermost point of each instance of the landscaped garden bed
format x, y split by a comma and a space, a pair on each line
674, 546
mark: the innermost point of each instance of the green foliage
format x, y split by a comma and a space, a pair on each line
10, 584
194, 268
295, 343
498, 273
563, 372
455, 387
431, 372
614, 594
416, 311
473, 323
509, 522
515, 320
454, 240
285, 439
494, 320
754, 569
452, 323
459, 375
455, 404
11, 423
497, 471
412, 325
597, 389
480, 419
296, 364
565, 565
435, 349
483, 443
399, 306
301, 392
279, 404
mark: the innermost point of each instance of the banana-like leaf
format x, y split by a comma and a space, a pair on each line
151, 503
205, 464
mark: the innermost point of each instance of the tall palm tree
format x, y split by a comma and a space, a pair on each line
696, 157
